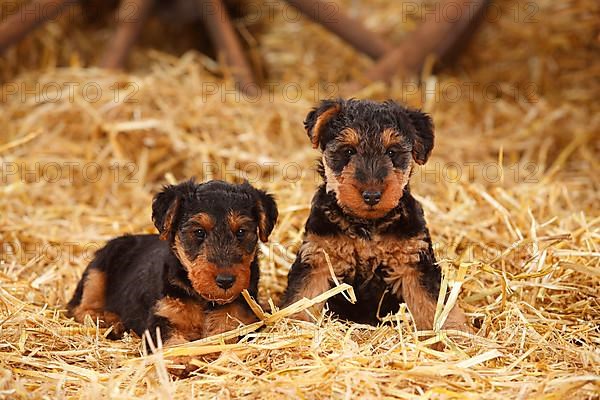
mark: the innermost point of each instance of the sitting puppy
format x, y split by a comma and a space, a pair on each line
188, 279
364, 222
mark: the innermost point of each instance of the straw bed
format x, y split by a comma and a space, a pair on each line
511, 196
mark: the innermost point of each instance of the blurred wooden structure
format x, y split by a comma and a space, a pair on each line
441, 37
16, 26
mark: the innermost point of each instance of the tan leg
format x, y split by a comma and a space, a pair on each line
214, 322
420, 303
422, 307
92, 298
308, 285
175, 339
406, 282
185, 317
227, 318
93, 302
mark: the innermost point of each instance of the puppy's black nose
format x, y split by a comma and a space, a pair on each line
371, 198
225, 281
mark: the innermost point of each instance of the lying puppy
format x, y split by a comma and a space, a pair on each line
187, 280
364, 220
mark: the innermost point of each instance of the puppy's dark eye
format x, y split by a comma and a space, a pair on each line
240, 234
201, 234
349, 152
391, 152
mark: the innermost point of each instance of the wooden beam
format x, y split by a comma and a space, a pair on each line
332, 18
131, 16
227, 45
28, 18
440, 35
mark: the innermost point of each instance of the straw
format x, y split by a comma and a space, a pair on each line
518, 243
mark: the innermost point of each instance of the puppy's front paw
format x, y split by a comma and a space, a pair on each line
457, 320
181, 366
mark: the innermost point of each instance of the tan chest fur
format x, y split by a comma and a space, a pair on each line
359, 258
186, 317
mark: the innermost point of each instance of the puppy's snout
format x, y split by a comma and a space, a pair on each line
371, 198
225, 281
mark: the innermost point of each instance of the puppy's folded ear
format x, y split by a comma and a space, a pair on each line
166, 207
423, 145
267, 214
316, 121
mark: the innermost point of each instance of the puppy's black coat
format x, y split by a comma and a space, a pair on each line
187, 280
364, 222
